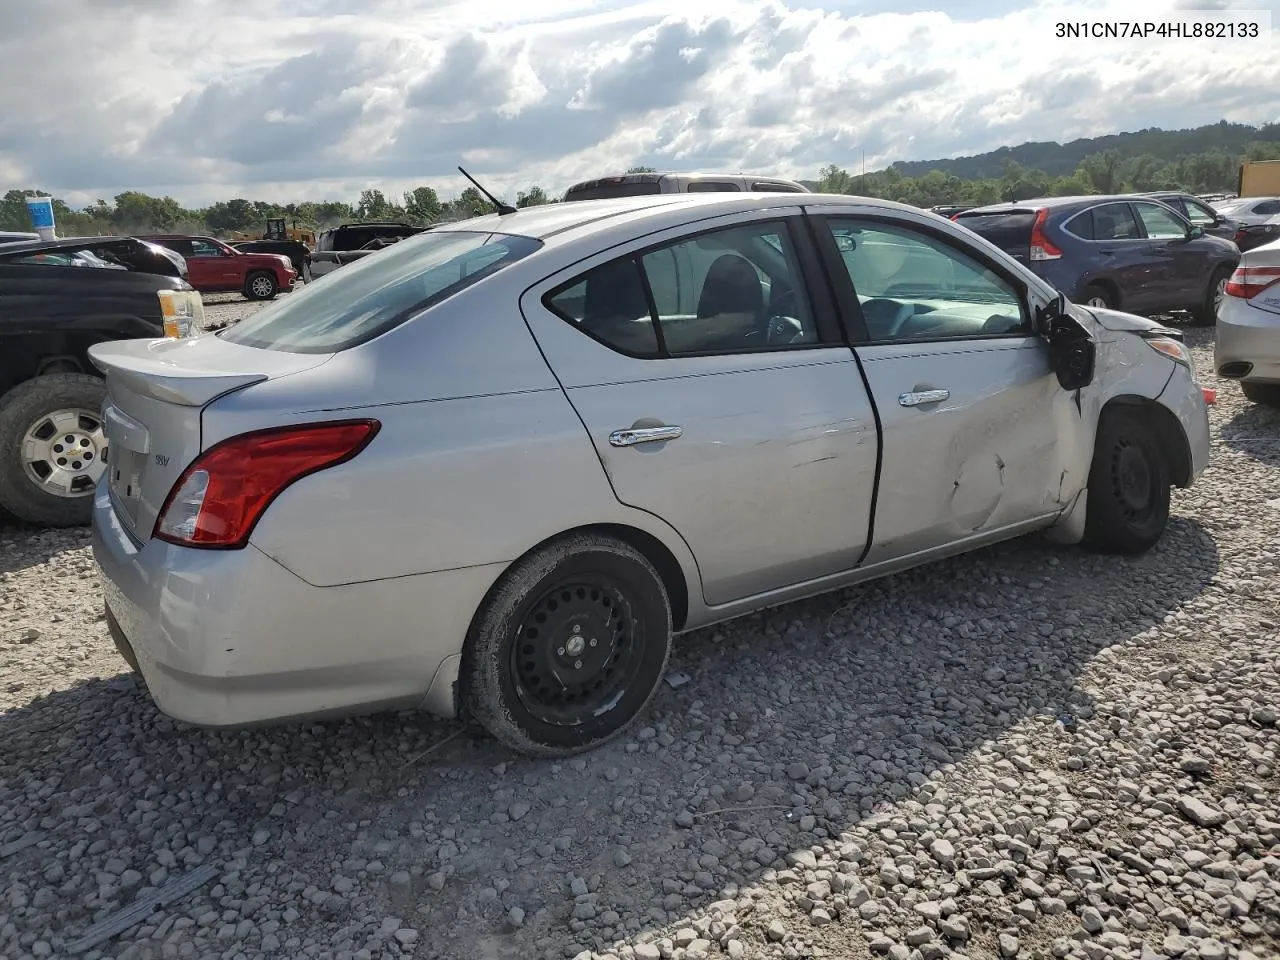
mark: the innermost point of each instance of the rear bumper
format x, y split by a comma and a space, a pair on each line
1247, 335
232, 638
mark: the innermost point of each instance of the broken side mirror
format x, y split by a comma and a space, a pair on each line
1072, 352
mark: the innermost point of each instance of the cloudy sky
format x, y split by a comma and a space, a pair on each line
314, 99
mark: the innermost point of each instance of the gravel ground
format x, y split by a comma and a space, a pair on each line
1026, 752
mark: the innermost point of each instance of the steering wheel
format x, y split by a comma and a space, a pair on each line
901, 313
783, 330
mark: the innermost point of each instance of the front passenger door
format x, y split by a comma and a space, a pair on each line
970, 410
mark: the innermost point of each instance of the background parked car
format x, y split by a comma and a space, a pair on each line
716, 404
298, 253
1257, 219
8, 236
350, 242
647, 184
215, 267
58, 298
1247, 348
1196, 212
1113, 251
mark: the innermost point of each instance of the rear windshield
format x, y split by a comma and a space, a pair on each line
379, 292
608, 191
1008, 231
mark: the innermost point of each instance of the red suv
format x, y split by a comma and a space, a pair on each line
214, 267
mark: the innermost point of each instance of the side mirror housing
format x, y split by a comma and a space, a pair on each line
1072, 350
1196, 232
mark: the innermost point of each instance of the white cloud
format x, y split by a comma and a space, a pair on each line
304, 99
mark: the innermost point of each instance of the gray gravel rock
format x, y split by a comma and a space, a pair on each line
1027, 751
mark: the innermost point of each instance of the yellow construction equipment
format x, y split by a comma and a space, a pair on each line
276, 230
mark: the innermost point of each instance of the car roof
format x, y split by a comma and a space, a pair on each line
65, 243
585, 216
1053, 203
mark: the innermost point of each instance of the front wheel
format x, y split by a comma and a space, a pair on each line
1129, 487
1205, 314
260, 286
569, 648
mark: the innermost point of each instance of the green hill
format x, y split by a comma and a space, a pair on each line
1061, 159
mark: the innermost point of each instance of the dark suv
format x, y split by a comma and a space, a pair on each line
1196, 212
1126, 253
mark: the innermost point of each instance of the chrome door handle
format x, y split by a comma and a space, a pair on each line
633, 435
923, 396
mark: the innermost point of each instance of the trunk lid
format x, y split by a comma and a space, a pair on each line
1010, 230
156, 393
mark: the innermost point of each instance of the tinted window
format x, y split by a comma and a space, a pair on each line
723, 292
1081, 225
1160, 223
915, 287
378, 293
732, 290
608, 191
1115, 221
609, 305
181, 246
762, 186
712, 186
1268, 207
1008, 231
203, 248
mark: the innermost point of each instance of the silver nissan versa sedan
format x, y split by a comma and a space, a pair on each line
493, 469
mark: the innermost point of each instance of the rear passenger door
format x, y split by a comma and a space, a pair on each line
971, 414
711, 376
1120, 254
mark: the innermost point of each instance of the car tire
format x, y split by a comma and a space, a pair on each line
1267, 394
568, 648
1129, 487
35, 416
1205, 314
260, 285
1095, 294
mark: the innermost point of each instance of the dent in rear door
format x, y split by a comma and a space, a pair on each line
770, 479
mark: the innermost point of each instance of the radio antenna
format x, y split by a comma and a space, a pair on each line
502, 208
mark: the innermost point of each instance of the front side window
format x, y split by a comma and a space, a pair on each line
728, 291
1199, 214
379, 293
1160, 223
913, 286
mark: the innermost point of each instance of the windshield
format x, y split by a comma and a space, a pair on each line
379, 292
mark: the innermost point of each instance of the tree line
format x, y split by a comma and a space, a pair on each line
1109, 171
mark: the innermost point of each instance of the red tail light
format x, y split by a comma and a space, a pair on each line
1240, 235
955, 216
1248, 282
1041, 248
219, 498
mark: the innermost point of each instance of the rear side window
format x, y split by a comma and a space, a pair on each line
380, 292
1008, 231
1081, 225
609, 304
1115, 221
1268, 207
763, 186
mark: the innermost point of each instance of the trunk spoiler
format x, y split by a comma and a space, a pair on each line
155, 369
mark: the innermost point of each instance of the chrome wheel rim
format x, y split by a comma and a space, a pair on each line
1096, 302
1219, 292
261, 286
64, 453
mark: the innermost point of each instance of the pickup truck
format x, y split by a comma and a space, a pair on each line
215, 267
57, 299
349, 242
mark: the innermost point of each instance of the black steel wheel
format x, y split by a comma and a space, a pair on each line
569, 647
1129, 487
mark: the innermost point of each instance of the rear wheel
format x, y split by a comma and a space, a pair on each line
52, 448
1096, 295
1267, 394
1206, 313
1129, 487
569, 648
260, 285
